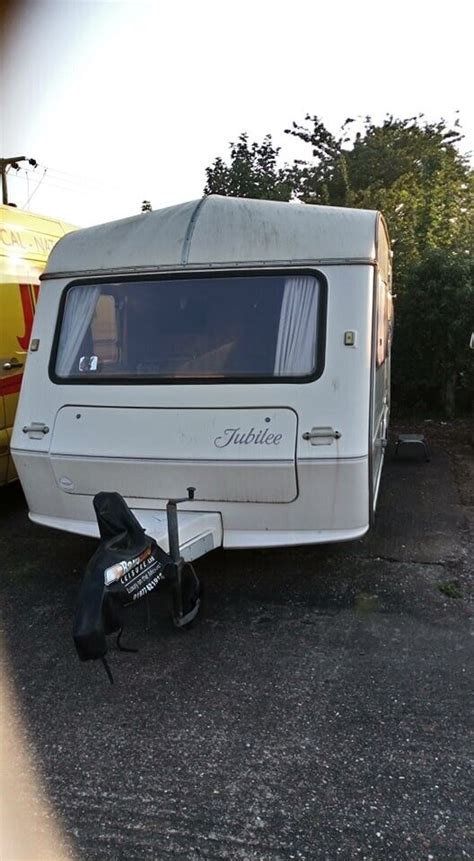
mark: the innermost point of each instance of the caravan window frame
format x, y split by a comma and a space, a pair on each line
151, 380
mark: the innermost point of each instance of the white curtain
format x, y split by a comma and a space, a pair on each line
296, 345
80, 306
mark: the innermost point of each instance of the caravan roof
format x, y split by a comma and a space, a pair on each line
217, 231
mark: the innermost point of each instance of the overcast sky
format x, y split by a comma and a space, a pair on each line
122, 101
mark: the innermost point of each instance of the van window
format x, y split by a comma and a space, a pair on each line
191, 328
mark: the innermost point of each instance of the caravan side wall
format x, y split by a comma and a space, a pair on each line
151, 441
382, 336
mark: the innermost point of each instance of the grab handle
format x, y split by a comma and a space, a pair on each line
321, 436
36, 427
10, 365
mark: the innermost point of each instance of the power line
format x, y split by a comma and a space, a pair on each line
35, 190
70, 188
74, 179
48, 181
62, 180
72, 184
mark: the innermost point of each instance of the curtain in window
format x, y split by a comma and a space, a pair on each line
296, 344
80, 306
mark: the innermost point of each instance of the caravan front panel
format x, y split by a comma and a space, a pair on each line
245, 455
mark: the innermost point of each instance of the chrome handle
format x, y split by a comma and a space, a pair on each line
13, 363
36, 427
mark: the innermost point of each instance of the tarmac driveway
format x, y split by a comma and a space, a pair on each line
318, 710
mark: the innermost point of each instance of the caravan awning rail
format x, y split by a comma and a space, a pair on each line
254, 264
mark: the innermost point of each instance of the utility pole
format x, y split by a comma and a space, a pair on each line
11, 162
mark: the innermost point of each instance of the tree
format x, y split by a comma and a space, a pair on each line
253, 172
435, 366
413, 171
410, 169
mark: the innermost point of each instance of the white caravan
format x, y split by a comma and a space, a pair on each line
241, 347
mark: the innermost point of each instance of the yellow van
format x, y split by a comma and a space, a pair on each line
25, 243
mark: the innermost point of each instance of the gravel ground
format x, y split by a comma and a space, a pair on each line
319, 709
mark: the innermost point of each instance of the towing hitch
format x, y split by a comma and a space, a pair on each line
186, 586
127, 566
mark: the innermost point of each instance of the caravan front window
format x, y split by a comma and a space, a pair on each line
192, 329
